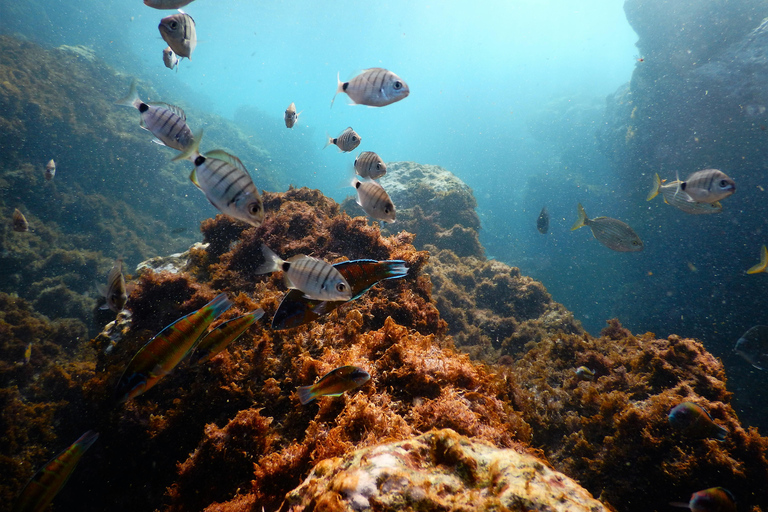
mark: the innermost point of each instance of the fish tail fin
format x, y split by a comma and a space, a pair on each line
305, 394
271, 261
394, 269
193, 151
582, 220
132, 98
219, 304
760, 267
720, 433
329, 140
656, 187
339, 87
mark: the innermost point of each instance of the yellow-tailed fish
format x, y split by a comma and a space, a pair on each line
346, 142
612, 233
334, 383
708, 186
585, 373
219, 338
163, 352
19, 223
370, 165
760, 267
50, 170
374, 200
178, 30
375, 87
291, 117
225, 182
28, 353
48, 481
115, 291
674, 196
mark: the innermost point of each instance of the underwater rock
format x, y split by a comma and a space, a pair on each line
175, 263
439, 470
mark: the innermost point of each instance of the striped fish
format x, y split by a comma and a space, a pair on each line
760, 267
334, 383
370, 165
165, 350
170, 59
48, 481
50, 170
19, 221
115, 290
375, 87
167, 4
612, 233
346, 142
291, 117
178, 30
374, 200
225, 182
218, 338
166, 122
708, 186
674, 195
316, 278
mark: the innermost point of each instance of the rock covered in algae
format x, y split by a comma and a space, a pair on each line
439, 470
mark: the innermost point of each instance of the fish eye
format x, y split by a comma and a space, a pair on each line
635, 242
388, 208
354, 139
254, 208
174, 25
397, 85
340, 287
723, 183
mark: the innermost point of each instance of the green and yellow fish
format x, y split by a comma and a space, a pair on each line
218, 338
760, 267
48, 481
334, 383
167, 349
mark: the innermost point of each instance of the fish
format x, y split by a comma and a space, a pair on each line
167, 4
28, 353
178, 30
316, 278
542, 223
585, 373
760, 267
374, 200
166, 122
370, 165
50, 170
19, 223
48, 481
160, 355
714, 499
708, 186
753, 346
334, 383
673, 195
170, 59
374, 87
225, 182
115, 291
219, 338
296, 310
612, 233
291, 117
346, 142
695, 421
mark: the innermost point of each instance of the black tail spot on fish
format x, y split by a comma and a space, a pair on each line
682, 185
357, 185
199, 160
286, 266
344, 87
143, 107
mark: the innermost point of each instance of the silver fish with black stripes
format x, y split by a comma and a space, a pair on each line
374, 87
167, 4
317, 279
170, 59
674, 196
374, 200
291, 117
346, 142
708, 186
50, 170
166, 122
370, 165
178, 30
612, 233
225, 182
115, 291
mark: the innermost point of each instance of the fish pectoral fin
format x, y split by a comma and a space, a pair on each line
193, 178
158, 141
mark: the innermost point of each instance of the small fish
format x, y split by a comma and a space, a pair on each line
50, 170
374, 200
673, 195
219, 338
542, 223
178, 30
695, 421
714, 499
334, 383
346, 142
166, 122
370, 165
612, 233
160, 355
760, 267
48, 481
115, 290
296, 310
316, 278
170, 59
375, 87
225, 182
20, 223
167, 4
753, 346
291, 117
28, 353
585, 373
708, 186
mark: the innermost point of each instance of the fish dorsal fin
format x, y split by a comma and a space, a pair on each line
173, 108
231, 159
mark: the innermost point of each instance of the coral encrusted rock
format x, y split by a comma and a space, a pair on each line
439, 470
